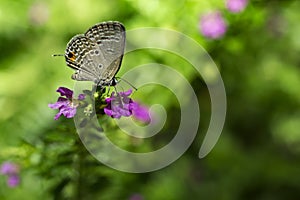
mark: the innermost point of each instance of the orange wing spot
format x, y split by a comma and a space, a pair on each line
71, 56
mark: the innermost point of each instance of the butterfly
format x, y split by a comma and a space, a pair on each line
97, 54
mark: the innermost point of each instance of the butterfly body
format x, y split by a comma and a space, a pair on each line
97, 55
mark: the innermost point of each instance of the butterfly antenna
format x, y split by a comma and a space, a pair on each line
58, 55
128, 83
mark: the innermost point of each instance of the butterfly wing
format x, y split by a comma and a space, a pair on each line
109, 38
97, 55
76, 56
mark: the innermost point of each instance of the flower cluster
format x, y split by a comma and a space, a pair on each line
66, 103
120, 104
11, 170
117, 105
212, 25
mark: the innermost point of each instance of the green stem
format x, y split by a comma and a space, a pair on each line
78, 166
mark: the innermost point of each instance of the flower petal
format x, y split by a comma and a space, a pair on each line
62, 99
68, 111
65, 92
66, 105
108, 111
57, 115
141, 112
116, 115
110, 99
58, 104
124, 112
119, 105
126, 93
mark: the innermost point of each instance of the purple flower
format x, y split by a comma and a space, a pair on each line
67, 105
236, 6
140, 112
212, 25
11, 170
13, 180
121, 105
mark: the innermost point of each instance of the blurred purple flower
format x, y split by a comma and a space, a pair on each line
13, 180
136, 197
212, 25
120, 104
67, 105
8, 168
11, 170
236, 6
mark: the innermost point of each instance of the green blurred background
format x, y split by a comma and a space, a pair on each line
258, 153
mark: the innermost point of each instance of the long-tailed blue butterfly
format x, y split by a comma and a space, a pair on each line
97, 54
